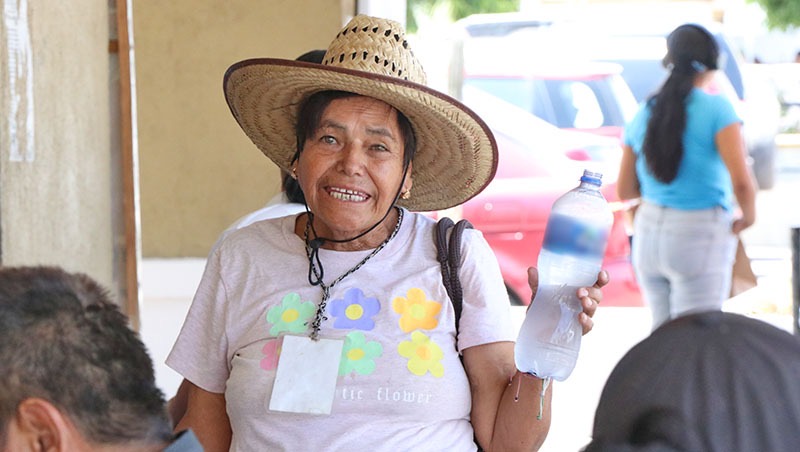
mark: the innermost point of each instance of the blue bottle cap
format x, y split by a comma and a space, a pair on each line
592, 178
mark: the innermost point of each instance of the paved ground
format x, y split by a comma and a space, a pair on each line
168, 286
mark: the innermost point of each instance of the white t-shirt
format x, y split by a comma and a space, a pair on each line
395, 391
278, 206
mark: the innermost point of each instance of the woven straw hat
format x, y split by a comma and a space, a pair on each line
456, 154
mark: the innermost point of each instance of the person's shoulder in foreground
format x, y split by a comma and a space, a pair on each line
73, 375
713, 381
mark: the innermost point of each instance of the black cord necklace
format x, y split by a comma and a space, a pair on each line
313, 255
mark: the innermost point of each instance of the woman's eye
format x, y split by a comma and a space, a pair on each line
328, 139
380, 147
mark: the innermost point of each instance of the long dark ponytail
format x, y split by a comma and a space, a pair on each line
691, 50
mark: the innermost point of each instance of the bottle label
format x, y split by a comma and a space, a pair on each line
566, 235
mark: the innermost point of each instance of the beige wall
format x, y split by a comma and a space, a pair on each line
56, 203
198, 171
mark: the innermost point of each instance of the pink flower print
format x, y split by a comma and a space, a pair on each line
270, 352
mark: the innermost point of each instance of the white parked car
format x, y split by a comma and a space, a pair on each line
638, 46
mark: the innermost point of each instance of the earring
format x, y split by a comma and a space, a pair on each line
294, 173
405, 194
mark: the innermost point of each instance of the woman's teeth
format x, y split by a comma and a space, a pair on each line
347, 195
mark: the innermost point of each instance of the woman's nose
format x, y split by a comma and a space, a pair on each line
352, 161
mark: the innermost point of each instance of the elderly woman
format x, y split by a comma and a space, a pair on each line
332, 329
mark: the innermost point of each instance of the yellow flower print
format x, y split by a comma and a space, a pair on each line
423, 355
416, 311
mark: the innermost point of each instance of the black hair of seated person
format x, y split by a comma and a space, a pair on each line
289, 185
657, 430
64, 341
718, 381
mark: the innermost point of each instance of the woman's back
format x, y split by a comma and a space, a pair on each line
702, 180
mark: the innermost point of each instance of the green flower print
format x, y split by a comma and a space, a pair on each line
358, 355
291, 316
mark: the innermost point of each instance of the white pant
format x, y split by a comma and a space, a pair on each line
683, 259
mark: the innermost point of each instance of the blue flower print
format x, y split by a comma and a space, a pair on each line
354, 311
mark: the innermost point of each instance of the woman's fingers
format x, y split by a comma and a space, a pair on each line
590, 298
602, 279
533, 281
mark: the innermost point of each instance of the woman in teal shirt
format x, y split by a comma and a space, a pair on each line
684, 156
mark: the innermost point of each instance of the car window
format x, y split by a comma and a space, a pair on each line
644, 77
640, 58
582, 107
578, 104
626, 100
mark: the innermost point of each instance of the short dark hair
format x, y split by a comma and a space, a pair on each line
64, 341
291, 188
310, 116
312, 56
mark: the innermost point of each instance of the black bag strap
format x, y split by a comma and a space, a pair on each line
449, 257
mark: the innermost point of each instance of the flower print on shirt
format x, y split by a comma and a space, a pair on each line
291, 315
355, 310
358, 354
423, 355
416, 311
270, 351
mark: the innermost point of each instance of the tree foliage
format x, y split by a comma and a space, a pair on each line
458, 8
781, 14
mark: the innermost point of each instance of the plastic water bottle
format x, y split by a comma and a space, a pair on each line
571, 256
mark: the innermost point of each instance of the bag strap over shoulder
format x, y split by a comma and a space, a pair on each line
449, 256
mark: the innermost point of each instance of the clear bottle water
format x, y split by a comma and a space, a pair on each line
571, 256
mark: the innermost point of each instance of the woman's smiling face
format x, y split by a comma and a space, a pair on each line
351, 167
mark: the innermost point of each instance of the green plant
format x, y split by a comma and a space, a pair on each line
458, 8
781, 14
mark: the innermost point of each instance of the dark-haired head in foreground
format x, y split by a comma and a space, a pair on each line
73, 375
711, 381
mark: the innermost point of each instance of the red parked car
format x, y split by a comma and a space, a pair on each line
512, 211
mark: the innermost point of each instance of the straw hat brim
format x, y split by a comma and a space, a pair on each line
456, 154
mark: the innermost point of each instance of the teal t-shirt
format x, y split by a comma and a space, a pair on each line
703, 180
